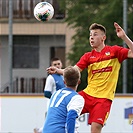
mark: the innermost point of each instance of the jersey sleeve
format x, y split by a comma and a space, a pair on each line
50, 84
121, 53
74, 108
71, 121
76, 103
84, 61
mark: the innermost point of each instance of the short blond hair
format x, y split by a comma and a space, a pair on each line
96, 26
71, 76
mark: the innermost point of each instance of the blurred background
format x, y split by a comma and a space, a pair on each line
27, 45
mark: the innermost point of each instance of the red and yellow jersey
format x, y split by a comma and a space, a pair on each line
103, 70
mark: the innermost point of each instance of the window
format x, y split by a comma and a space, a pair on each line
3, 9
25, 51
58, 52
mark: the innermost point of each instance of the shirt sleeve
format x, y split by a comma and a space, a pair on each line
74, 108
121, 53
71, 120
76, 103
84, 61
50, 84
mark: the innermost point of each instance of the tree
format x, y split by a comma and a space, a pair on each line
82, 13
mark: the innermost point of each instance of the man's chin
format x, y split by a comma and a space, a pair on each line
92, 46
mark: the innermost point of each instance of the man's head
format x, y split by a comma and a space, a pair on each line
71, 76
97, 35
96, 26
56, 62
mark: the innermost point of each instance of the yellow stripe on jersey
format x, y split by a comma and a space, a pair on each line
99, 75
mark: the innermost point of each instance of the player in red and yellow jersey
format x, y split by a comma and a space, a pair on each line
103, 64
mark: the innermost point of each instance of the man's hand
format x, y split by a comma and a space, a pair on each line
119, 31
121, 34
52, 70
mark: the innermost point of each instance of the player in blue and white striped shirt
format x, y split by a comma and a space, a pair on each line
53, 83
65, 105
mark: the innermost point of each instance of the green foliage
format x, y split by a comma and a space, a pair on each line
82, 13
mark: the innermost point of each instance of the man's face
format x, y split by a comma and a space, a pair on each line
57, 64
97, 37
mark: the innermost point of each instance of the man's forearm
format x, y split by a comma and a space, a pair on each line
127, 40
59, 71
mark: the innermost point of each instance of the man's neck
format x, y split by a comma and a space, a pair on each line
99, 49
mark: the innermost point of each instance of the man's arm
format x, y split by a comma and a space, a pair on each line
52, 70
78, 68
49, 86
71, 120
121, 34
74, 108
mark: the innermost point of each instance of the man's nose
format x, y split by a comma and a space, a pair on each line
91, 38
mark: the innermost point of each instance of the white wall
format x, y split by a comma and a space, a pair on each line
24, 113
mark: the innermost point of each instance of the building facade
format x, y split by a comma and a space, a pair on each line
34, 43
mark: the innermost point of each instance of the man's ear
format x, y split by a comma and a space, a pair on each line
104, 37
79, 81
